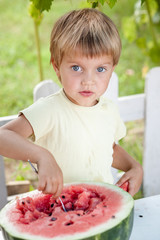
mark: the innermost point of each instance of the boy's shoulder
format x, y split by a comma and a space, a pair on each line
108, 103
53, 95
51, 98
45, 104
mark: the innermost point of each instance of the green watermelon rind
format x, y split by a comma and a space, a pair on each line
118, 228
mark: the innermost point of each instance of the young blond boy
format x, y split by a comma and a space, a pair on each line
76, 129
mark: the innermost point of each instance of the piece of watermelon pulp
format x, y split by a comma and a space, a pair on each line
125, 186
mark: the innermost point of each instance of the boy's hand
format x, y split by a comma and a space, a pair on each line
50, 176
133, 170
134, 178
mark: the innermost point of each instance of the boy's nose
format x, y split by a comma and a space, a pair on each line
88, 79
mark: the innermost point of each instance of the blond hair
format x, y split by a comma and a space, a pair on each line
90, 30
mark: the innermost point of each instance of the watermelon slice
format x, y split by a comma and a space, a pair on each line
94, 211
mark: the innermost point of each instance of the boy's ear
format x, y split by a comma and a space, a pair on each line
114, 67
56, 69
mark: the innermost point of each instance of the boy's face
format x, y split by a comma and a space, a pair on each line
84, 79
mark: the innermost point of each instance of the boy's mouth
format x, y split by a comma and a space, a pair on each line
86, 93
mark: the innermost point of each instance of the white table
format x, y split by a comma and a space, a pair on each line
146, 224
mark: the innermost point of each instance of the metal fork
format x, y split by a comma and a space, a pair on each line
36, 171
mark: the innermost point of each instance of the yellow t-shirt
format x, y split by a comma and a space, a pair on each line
80, 138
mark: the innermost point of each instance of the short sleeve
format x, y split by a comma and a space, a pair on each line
39, 116
120, 131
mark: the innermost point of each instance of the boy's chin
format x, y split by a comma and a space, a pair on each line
87, 103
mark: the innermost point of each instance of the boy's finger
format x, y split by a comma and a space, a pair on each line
122, 180
41, 185
51, 187
59, 190
131, 190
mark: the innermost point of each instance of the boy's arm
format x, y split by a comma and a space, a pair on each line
133, 170
14, 144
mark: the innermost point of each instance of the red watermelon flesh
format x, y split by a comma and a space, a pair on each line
86, 205
125, 186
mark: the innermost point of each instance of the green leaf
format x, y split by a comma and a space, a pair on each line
154, 53
42, 4
35, 13
153, 7
158, 3
142, 1
101, 2
140, 14
111, 3
129, 28
94, 4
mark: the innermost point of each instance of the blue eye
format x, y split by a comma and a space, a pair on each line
76, 68
101, 69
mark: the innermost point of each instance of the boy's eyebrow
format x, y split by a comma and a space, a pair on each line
109, 63
78, 61
70, 60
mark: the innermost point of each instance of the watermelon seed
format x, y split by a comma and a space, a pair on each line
50, 214
104, 206
141, 216
113, 216
93, 215
53, 219
23, 202
63, 196
69, 223
52, 205
86, 212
